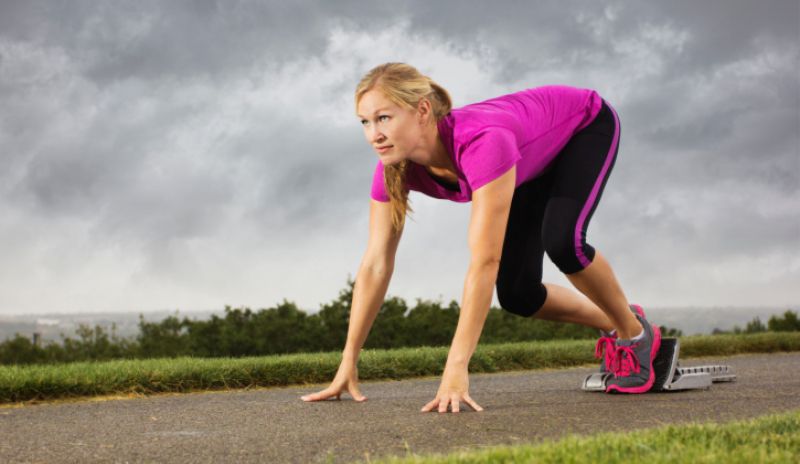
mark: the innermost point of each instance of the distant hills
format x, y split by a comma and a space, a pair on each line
51, 325
703, 320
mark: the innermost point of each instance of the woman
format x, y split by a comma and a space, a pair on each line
534, 164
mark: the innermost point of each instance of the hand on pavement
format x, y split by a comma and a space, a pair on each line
453, 389
346, 379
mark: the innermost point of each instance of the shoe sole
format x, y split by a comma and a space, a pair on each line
649, 384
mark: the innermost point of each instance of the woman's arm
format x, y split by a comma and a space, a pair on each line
370, 287
372, 279
490, 208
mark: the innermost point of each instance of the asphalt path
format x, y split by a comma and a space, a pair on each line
274, 425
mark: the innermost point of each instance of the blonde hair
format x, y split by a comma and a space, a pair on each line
406, 87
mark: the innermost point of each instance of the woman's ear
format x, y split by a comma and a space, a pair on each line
424, 112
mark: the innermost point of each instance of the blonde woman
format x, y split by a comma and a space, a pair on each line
534, 164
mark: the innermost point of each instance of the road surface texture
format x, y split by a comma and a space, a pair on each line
274, 425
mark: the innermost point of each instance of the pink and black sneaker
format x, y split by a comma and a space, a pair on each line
606, 345
633, 361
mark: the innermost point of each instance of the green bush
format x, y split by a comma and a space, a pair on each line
285, 329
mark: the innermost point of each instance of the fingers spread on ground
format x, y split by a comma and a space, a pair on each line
430, 405
443, 404
472, 404
356, 394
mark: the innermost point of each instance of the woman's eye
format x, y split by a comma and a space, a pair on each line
364, 122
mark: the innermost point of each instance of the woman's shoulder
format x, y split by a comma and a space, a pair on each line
547, 89
466, 123
511, 111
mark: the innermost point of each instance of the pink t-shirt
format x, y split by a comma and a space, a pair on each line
526, 128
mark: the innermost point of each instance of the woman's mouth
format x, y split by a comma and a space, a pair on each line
384, 149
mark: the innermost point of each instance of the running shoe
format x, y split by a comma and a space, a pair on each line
606, 345
633, 361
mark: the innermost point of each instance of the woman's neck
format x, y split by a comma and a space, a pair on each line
438, 159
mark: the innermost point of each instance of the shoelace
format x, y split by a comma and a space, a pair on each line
625, 361
605, 345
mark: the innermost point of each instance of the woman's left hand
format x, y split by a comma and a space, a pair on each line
453, 389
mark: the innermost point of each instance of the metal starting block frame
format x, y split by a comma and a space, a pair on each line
669, 375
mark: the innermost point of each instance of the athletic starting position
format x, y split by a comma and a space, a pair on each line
534, 164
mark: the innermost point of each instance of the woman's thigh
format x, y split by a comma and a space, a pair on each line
580, 173
519, 278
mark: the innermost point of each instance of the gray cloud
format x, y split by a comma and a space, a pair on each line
163, 147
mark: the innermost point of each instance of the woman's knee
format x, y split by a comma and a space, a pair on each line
563, 239
569, 253
522, 301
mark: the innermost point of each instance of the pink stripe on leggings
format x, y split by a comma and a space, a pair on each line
595, 191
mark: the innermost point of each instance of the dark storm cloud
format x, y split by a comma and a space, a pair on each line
323, 185
111, 164
725, 30
153, 39
137, 54
528, 35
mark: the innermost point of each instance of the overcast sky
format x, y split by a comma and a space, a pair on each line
192, 155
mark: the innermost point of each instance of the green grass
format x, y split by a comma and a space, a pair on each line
768, 439
44, 382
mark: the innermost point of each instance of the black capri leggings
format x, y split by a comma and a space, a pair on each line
551, 213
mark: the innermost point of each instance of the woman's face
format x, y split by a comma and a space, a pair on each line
392, 131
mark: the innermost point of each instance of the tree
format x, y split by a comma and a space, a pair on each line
20, 350
205, 337
755, 326
284, 329
334, 318
94, 344
429, 324
238, 337
390, 329
168, 338
788, 323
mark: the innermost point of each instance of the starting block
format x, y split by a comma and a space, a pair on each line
669, 375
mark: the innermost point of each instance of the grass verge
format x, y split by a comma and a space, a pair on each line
768, 439
45, 382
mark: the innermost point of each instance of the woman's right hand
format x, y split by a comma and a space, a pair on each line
346, 379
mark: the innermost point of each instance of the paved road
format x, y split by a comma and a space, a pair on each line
274, 425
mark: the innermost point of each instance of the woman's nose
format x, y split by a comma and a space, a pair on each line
376, 136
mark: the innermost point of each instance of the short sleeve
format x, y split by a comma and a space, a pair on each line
378, 186
492, 152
